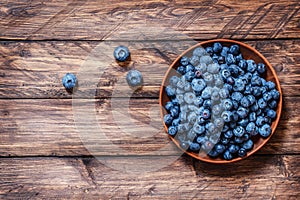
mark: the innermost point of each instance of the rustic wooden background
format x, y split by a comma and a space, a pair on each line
41, 153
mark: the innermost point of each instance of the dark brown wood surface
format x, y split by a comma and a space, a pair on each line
43, 152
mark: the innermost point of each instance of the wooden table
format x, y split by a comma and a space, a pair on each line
42, 152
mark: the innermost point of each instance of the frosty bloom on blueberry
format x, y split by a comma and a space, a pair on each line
69, 81
220, 102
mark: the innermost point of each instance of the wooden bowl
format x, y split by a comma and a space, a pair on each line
248, 52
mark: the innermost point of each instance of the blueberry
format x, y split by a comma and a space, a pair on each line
242, 112
234, 49
224, 51
271, 114
172, 130
225, 128
262, 103
206, 93
251, 66
233, 148
217, 47
273, 104
248, 144
170, 91
216, 110
230, 80
230, 59
221, 60
242, 152
227, 155
134, 78
256, 81
121, 53
239, 131
251, 99
235, 104
270, 85
228, 134
209, 50
168, 119
224, 140
174, 80
243, 64
198, 85
256, 91
248, 90
207, 103
223, 93
243, 122
208, 78
254, 107
239, 140
199, 101
239, 57
215, 58
184, 61
251, 128
260, 121
205, 60
69, 81
184, 145
252, 117
194, 60
194, 146
192, 117
190, 68
264, 89
275, 94
181, 70
228, 87
199, 51
213, 68
174, 112
206, 114
245, 102
227, 116
215, 96
210, 127
234, 70
267, 96
265, 130
261, 68
237, 96
218, 122
200, 120
176, 122
199, 129
220, 148
189, 75
232, 125
201, 139
213, 153
239, 85
225, 73
189, 97
169, 105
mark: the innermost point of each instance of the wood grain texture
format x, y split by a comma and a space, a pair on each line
41, 127
258, 177
35, 69
94, 20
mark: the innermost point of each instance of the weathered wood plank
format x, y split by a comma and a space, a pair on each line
204, 19
33, 127
258, 177
35, 69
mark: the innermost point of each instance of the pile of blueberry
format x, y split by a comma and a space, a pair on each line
220, 103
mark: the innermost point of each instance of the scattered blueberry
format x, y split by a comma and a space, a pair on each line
134, 78
69, 81
121, 53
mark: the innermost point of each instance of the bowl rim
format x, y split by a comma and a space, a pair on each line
278, 87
